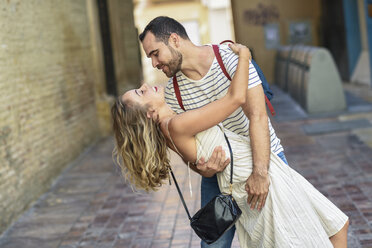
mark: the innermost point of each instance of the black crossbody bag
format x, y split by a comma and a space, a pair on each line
218, 215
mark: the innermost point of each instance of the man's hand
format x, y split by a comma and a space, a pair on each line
216, 163
257, 187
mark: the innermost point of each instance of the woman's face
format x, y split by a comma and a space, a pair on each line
146, 96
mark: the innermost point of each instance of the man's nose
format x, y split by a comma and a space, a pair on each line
155, 63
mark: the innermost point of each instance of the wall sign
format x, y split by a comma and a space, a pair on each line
272, 36
261, 15
300, 32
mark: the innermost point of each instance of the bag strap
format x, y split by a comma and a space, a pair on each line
230, 41
177, 91
231, 179
180, 193
178, 152
231, 162
216, 51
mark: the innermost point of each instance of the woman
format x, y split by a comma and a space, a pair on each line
295, 213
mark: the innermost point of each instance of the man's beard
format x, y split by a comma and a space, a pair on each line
175, 63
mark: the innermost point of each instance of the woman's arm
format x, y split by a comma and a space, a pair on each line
192, 122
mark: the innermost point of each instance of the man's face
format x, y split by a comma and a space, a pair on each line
164, 57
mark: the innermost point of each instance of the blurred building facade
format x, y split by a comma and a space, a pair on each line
55, 90
265, 25
357, 16
206, 21
341, 26
63, 62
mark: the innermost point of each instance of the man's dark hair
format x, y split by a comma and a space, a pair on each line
162, 27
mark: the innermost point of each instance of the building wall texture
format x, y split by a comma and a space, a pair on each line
250, 18
125, 44
182, 11
48, 113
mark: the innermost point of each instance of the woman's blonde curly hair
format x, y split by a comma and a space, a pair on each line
141, 149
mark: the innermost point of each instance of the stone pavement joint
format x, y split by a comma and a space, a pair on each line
91, 205
335, 126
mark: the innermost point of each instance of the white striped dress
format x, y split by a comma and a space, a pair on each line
295, 213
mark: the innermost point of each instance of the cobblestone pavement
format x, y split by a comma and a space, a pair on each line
90, 205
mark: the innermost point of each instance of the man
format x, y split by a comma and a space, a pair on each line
201, 81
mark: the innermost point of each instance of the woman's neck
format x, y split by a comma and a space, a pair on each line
165, 113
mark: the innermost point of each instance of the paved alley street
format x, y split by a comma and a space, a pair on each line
90, 204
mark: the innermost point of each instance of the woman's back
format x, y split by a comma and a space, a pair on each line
207, 140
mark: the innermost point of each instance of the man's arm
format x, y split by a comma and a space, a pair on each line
258, 182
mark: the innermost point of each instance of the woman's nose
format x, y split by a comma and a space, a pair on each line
144, 86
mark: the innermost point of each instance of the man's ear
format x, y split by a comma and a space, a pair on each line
174, 39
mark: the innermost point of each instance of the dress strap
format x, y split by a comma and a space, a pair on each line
170, 137
175, 147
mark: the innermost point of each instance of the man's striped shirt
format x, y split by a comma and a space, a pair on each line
214, 85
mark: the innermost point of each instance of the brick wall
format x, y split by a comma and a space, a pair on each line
47, 96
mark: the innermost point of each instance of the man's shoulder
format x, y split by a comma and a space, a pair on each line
225, 50
229, 58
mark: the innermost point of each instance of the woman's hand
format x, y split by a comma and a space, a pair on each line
241, 50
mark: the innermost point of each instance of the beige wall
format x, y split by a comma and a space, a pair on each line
252, 35
125, 44
103, 101
47, 96
182, 12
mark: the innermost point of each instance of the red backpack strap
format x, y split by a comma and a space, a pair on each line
177, 91
270, 106
216, 51
230, 41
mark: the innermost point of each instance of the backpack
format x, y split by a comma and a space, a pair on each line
265, 85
